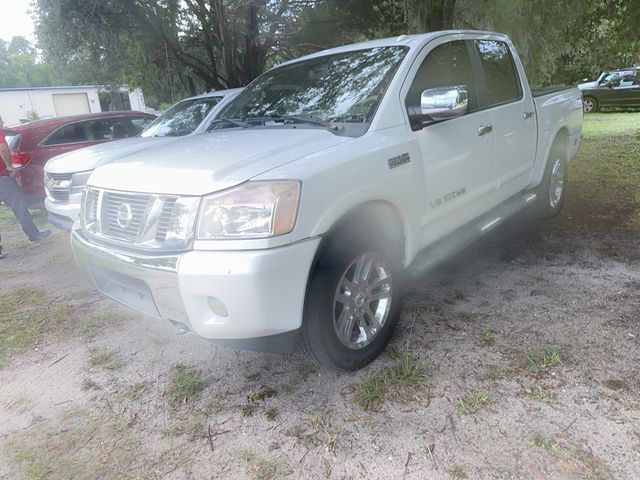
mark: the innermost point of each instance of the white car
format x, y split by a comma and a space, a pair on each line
66, 175
293, 222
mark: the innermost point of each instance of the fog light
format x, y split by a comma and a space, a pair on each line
217, 307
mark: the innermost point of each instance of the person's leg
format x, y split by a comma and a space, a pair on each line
11, 194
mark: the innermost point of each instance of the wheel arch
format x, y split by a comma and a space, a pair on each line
559, 144
371, 217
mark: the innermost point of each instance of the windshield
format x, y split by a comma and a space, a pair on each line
181, 119
342, 88
613, 76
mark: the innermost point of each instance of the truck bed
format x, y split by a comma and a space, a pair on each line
539, 92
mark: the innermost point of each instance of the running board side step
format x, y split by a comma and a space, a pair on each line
444, 248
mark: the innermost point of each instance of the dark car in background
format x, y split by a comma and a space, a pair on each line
33, 143
618, 88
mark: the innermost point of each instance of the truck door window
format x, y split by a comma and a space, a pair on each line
445, 66
503, 84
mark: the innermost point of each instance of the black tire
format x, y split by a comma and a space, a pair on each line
589, 104
551, 195
319, 338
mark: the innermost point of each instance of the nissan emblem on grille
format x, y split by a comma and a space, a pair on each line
125, 215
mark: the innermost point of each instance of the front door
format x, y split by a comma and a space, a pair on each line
457, 154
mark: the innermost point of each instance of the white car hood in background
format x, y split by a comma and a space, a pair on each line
89, 158
583, 86
210, 162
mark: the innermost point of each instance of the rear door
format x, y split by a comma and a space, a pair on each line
626, 91
457, 154
507, 97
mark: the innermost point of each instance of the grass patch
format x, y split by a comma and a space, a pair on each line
606, 124
271, 414
417, 308
260, 468
538, 393
458, 473
604, 179
185, 384
105, 358
261, 394
375, 386
572, 460
25, 318
91, 325
546, 443
135, 392
73, 446
498, 373
473, 402
487, 338
541, 359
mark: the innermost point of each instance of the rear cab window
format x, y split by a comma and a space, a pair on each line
502, 82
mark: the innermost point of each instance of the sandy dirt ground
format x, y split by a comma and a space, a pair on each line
523, 353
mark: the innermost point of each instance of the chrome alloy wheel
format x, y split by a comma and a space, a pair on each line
588, 105
362, 300
556, 183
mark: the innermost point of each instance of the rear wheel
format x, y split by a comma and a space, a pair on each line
553, 188
589, 104
353, 302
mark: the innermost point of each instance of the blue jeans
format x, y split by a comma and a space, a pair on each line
11, 195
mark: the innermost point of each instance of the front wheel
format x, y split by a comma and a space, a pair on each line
353, 302
553, 188
589, 104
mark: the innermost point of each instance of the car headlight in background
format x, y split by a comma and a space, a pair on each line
252, 210
79, 181
181, 221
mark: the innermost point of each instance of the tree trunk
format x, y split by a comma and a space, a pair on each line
429, 15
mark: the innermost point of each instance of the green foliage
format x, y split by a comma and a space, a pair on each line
171, 48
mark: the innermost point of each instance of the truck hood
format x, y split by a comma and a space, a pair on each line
213, 161
89, 158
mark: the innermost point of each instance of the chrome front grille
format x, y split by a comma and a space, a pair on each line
123, 214
140, 220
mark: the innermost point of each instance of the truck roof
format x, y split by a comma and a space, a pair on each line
413, 40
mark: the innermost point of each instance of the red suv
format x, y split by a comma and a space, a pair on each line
33, 143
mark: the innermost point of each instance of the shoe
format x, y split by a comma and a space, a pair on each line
43, 234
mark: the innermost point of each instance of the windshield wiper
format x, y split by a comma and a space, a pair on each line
236, 122
295, 118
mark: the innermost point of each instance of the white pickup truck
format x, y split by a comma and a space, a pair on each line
65, 176
293, 222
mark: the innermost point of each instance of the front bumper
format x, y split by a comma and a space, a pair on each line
262, 292
62, 215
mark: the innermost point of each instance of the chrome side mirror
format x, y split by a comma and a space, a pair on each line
444, 103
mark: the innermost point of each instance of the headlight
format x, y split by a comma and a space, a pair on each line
252, 210
79, 180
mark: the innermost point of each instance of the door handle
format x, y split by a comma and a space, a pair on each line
484, 129
526, 115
